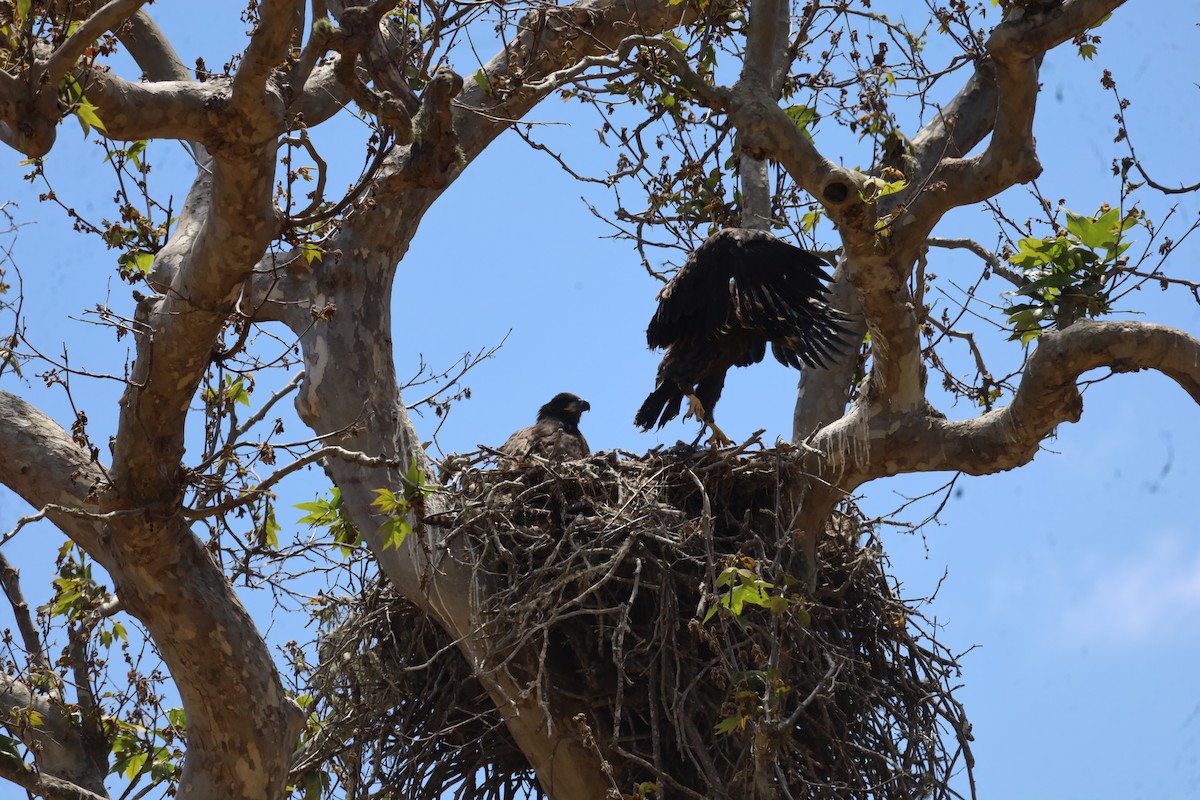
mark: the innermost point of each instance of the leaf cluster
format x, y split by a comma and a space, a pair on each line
1065, 277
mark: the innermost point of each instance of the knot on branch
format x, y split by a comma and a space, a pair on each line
835, 193
654, 597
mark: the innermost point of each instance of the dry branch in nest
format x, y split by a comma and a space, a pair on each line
661, 594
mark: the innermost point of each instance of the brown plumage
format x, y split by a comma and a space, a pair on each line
555, 435
740, 291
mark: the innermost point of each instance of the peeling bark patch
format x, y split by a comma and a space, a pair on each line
247, 768
220, 640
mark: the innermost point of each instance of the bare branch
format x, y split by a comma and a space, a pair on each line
331, 451
10, 581
993, 262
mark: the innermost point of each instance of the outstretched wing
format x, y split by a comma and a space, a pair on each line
778, 293
695, 303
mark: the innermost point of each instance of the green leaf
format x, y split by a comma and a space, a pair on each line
318, 509
1032, 253
177, 718
385, 500
1089, 231
804, 116
481, 80
88, 119
311, 252
675, 41
415, 480
394, 531
235, 391
134, 152
268, 532
141, 262
10, 751
134, 765
314, 784
22, 11
729, 725
1087, 51
775, 603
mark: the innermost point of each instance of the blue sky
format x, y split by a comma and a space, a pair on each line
1077, 578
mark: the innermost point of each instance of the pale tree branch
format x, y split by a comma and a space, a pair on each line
42, 464
959, 125
151, 49
104, 19
40, 784
1015, 49
226, 677
822, 394
767, 43
29, 108
953, 132
268, 49
860, 448
1001, 98
59, 748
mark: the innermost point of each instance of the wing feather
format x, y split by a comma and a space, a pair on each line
695, 303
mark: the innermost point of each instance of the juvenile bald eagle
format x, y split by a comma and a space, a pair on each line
739, 291
555, 435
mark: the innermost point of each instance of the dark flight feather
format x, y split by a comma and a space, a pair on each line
555, 435
741, 290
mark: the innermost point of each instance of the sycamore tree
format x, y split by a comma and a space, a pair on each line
275, 269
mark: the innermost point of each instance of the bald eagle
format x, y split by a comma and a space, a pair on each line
740, 291
555, 435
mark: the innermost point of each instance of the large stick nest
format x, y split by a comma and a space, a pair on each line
664, 598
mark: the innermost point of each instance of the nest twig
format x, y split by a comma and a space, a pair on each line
659, 594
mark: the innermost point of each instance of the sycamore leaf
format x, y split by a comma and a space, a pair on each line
1090, 231
805, 117
311, 252
235, 390
134, 765
481, 80
394, 531
136, 262
86, 114
386, 501
729, 725
268, 532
